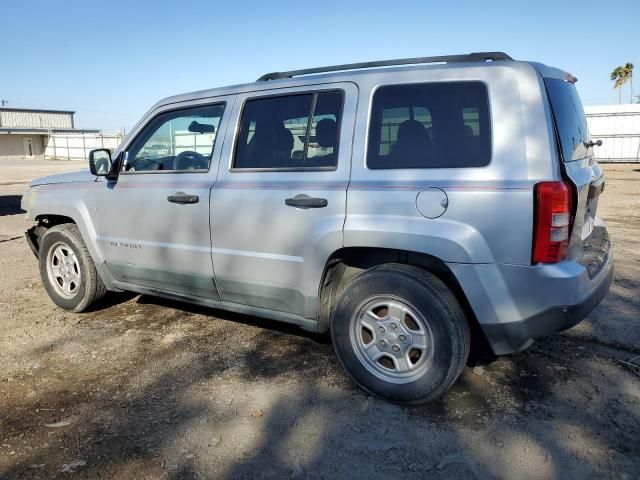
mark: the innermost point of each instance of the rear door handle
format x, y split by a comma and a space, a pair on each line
305, 201
181, 197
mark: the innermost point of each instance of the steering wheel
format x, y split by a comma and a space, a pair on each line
144, 163
189, 160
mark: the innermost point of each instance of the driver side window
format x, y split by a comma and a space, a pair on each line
179, 140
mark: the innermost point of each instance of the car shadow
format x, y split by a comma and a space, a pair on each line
215, 402
10, 205
241, 318
123, 302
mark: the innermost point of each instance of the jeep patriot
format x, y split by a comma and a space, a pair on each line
414, 208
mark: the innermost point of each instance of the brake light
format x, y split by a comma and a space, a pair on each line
552, 222
570, 78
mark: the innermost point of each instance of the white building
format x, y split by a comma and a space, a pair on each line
29, 133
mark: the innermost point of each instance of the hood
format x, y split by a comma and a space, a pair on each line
67, 177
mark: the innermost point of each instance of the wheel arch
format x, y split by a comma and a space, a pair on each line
53, 207
44, 223
347, 262
49, 220
50, 210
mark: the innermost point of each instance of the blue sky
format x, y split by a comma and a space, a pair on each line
110, 61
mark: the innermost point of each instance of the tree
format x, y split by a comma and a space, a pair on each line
620, 76
629, 71
616, 77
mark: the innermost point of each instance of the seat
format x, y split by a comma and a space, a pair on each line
326, 137
468, 131
430, 134
282, 147
413, 146
270, 146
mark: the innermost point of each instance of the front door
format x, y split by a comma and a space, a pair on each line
153, 221
278, 207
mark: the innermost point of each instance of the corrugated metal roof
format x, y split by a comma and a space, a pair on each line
35, 110
44, 131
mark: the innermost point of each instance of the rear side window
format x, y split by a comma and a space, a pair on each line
430, 125
571, 122
289, 132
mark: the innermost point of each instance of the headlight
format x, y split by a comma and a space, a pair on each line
29, 199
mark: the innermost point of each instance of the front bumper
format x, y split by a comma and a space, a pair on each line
516, 304
33, 238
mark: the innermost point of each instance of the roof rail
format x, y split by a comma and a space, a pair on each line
471, 57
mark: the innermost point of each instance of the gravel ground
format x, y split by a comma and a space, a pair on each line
147, 388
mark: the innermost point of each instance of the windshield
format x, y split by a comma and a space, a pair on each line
570, 120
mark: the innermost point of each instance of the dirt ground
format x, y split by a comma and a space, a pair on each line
146, 388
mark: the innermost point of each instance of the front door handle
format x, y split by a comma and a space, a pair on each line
181, 197
305, 201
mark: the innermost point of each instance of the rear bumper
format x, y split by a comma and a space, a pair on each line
514, 336
516, 304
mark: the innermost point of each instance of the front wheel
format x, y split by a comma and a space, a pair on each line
67, 270
400, 333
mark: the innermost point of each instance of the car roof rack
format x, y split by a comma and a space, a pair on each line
471, 57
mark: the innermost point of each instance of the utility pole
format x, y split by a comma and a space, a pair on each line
4, 102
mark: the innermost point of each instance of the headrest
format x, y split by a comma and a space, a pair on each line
327, 133
411, 131
284, 139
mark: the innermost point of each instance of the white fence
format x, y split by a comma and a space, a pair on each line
76, 146
618, 126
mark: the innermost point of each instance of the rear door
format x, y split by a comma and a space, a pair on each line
577, 156
278, 207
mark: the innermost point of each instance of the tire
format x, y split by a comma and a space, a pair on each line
431, 339
67, 270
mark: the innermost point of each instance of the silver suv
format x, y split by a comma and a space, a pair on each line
417, 209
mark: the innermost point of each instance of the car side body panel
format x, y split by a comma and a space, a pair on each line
381, 206
72, 199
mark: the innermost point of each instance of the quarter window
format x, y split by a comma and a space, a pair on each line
175, 141
431, 125
289, 132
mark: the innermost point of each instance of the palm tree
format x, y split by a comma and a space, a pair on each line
620, 76
618, 80
629, 71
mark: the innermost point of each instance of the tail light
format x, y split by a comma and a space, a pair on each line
552, 222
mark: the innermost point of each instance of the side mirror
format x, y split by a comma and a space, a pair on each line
100, 162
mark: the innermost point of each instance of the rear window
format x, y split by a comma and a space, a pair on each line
430, 125
571, 123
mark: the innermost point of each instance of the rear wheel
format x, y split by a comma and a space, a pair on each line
400, 333
67, 270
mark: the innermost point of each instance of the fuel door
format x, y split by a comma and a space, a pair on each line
432, 202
